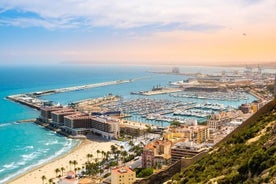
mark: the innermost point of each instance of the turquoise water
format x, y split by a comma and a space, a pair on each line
23, 146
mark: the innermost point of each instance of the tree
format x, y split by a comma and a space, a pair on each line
124, 155
107, 155
43, 178
122, 148
70, 163
131, 143
103, 155
145, 172
57, 171
113, 149
75, 163
175, 123
50, 181
88, 156
62, 169
98, 151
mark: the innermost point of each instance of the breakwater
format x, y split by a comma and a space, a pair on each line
32, 99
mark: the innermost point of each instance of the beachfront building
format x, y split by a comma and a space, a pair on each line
106, 127
77, 124
122, 175
186, 149
69, 179
78, 120
156, 154
46, 113
197, 134
58, 116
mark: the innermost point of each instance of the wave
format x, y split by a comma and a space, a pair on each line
67, 147
50, 133
51, 142
30, 156
10, 166
6, 124
24, 148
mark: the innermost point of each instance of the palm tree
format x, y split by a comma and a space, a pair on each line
98, 151
103, 154
50, 180
121, 147
124, 154
70, 163
113, 149
57, 171
88, 156
43, 178
91, 156
118, 152
131, 143
107, 155
62, 169
75, 163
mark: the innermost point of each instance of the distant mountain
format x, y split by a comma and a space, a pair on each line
249, 157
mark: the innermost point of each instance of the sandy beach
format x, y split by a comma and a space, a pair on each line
79, 154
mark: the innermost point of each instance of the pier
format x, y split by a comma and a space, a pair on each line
32, 99
82, 87
158, 92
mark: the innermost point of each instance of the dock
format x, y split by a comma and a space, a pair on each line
26, 121
82, 87
32, 99
158, 92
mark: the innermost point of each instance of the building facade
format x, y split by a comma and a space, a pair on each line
198, 133
58, 116
186, 150
106, 127
156, 154
122, 175
46, 113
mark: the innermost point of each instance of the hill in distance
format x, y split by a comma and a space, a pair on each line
248, 157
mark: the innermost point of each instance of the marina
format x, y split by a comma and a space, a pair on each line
225, 96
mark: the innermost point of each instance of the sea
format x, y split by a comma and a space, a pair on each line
24, 146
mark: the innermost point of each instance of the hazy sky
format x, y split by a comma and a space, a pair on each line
137, 31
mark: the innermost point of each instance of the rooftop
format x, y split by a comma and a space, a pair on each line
122, 170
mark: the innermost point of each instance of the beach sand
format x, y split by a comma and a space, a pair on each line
79, 154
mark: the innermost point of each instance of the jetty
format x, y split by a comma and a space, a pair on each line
159, 91
32, 99
82, 87
26, 121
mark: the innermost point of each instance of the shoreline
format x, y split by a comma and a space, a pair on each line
77, 153
43, 164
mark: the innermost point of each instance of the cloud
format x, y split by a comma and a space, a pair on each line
126, 14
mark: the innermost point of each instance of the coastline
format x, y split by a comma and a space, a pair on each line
43, 164
77, 153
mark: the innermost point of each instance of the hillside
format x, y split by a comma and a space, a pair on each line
249, 156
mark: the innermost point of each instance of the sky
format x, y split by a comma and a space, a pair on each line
175, 32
